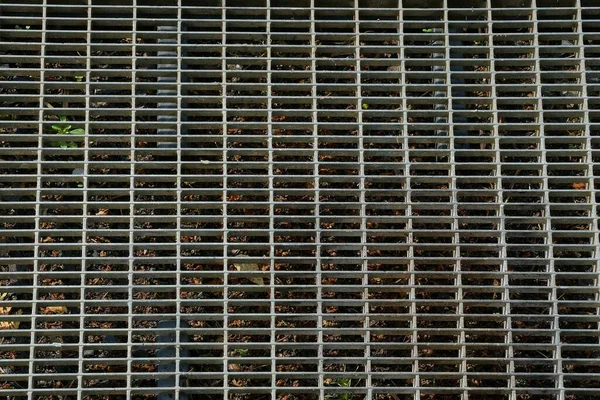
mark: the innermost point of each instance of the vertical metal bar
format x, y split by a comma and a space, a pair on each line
316, 185
132, 197
224, 104
271, 173
362, 199
182, 338
556, 353
546, 200
589, 158
169, 125
38, 200
410, 212
84, 211
503, 277
589, 145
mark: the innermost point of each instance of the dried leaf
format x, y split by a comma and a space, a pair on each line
11, 324
238, 383
579, 186
4, 325
250, 267
4, 310
54, 310
196, 281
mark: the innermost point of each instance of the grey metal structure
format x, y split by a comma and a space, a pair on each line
274, 199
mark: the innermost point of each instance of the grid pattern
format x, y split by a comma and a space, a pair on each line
271, 199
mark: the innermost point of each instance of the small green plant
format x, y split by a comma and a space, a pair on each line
79, 78
240, 353
427, 30
344, 383
65, 129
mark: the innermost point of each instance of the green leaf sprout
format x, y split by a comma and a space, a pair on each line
65, 129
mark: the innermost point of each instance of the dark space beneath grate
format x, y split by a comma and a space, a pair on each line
304, 199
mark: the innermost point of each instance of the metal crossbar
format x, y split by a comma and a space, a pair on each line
275, 199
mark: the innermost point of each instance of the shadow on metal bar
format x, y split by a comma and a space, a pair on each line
170, 92
456, 52
170, 81
168, 350
450, 92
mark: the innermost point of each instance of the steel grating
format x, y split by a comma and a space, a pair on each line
272, 199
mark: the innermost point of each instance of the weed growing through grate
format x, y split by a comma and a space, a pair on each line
343, 383
66, 129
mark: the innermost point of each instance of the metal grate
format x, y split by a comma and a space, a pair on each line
271, 199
